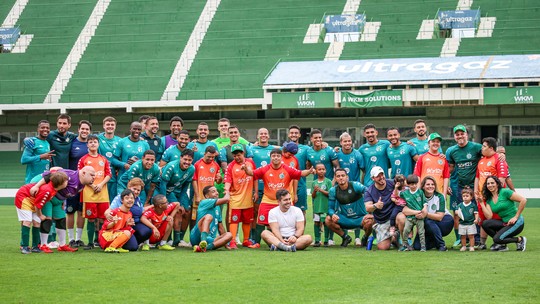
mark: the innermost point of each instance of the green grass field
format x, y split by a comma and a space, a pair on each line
317, 275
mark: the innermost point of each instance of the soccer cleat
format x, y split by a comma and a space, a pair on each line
198, 248
184, 244
145, 247
110, 250
251, 244
357, 242
165, 247
364, 241
122, 250
503, 248
521, 246
331, 243
457, 243
232, 245
26, 250
35, 249
89, 246
66, 248
326, 244
73, 244
96, 245
464, 248
273, 248
53, 245
203, 245
346, 240
80, 243
317, 244
45, 249
443, 248
482, 247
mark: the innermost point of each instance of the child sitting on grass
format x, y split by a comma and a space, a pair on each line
114, 234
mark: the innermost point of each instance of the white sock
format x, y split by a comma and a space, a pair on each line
162, 243
61, 234
79, 234
71, 234
147, 242
44, 237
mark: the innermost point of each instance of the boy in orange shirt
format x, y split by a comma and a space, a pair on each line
114, 234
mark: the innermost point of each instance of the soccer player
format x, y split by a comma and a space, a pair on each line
205, 233
151, 137
243, 194
174, 152
159, 218
129, 149
275, 176
199, 145
401, 155
107, 143
207, 171
346, 208
176, 124
176, 178
115, 233
145, 169
225, 155
95, 197
317, 154
294, 136
223, 139
433, 164
38, 158
287, 224
319, 193
420, 142
29, 211
374, 153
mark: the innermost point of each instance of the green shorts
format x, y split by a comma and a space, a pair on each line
54, 209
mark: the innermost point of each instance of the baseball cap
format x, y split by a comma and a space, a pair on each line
237, 147
435, 135
291, 147
375, 171
460, 128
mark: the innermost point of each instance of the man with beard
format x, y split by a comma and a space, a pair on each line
176, 124
174, 152
38, 158
150, 136
145, 169
201, 143
374, 153
401, 155
130, 149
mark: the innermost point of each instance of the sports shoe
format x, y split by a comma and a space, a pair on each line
53, 245
503, 248
443, 248
45, 249
203, 244
495, 247
171, 243
273, 248
326, 244
122, 250
357, 242
165, 247
145, 247
251, 244
96, 245
364, 241
482, 247
198, 248
457, 243
404, 247
317, 244
471, 248
110, 250
331, 243
464, 248
184, 244
66, 248
73, 244
89, 246
521, 246
80, 243
26, 250
423, 249
232, 245
292, 248
35, 249
346, 240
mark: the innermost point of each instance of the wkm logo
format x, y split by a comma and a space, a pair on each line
523, 97
305, 101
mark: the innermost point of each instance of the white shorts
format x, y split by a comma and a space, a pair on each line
467, 229
27, 216
382, 231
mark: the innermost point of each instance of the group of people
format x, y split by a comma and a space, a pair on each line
144, 191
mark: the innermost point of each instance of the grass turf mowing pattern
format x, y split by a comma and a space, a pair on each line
317, 275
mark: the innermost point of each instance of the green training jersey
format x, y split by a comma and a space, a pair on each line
320, 202
415, 200
31, 158
465, 160
468, 212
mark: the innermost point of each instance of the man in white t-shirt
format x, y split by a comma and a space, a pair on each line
286, 226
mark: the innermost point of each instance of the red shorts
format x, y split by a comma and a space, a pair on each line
483, 217
264, 209
95, 210
162, 229
241, 215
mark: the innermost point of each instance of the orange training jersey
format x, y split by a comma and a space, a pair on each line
122, 222
204, 175
490, 166
158, 219
102, 167
241, 189
434, 166
275, 179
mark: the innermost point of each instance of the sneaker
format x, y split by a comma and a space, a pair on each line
357, 242
110, 250
346, 240
232, 245
80, 243
73, 244
404, 248
521, 246
203, 245
66, 248
145, 247
96, 245
457, 243
443, 248
45, 249
482, 247
273, 247
331, 243
325, 244
464, 248
423, 249
495, 247
251, 244
198, 248
89, 246
471, 248
293, 248
35, 249
503, 248
165, 247
53, 245
317, 244
184, 244
26, 250
363, 241
121, 250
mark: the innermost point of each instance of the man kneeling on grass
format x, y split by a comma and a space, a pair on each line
286, 226
205, 233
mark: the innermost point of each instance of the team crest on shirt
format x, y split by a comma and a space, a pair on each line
88, 212
263, 163
347, 170
291, 164
323, 157
469, 155
402, 151
373, 158
397, 162
440, 161
433, 207
261, 218
139, 149
489, 163
212, 170
235, 218
281, 176
128, 146
101, 163
108, 154
155, 143
378, 149
349, 191
352, 160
